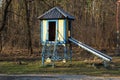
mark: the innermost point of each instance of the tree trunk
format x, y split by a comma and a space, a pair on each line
27, 7
4, 19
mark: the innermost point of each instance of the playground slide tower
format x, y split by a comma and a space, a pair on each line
55, 30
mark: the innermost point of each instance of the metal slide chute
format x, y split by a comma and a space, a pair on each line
90, 49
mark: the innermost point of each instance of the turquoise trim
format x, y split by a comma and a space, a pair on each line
65, 27
57, 29
56, 21
41, 29
47, 31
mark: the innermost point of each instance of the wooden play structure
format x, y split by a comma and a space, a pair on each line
56, 30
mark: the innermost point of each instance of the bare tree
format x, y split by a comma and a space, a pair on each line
4, 19
94, 22
27, 7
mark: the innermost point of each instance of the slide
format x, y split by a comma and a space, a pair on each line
90, 49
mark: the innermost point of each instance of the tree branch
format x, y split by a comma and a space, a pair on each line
5, 14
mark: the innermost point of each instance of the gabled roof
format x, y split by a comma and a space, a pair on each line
56, 13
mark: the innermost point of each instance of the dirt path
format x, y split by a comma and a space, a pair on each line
53, 77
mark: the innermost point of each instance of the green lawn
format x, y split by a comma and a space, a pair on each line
74, 67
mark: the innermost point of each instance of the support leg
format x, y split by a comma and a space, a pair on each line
43, 59
53, 62
65, 51
106, 64
70, 47
43, 55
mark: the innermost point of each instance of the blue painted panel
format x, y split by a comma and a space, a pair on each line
65, 27
57, 29
41, 29
47, 37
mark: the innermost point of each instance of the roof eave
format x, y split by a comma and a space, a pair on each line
55, 18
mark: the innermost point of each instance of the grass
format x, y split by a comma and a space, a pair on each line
76, 67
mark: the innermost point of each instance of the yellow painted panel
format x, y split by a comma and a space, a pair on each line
61, 30
44, 30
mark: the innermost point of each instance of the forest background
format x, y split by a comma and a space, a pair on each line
94, 24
